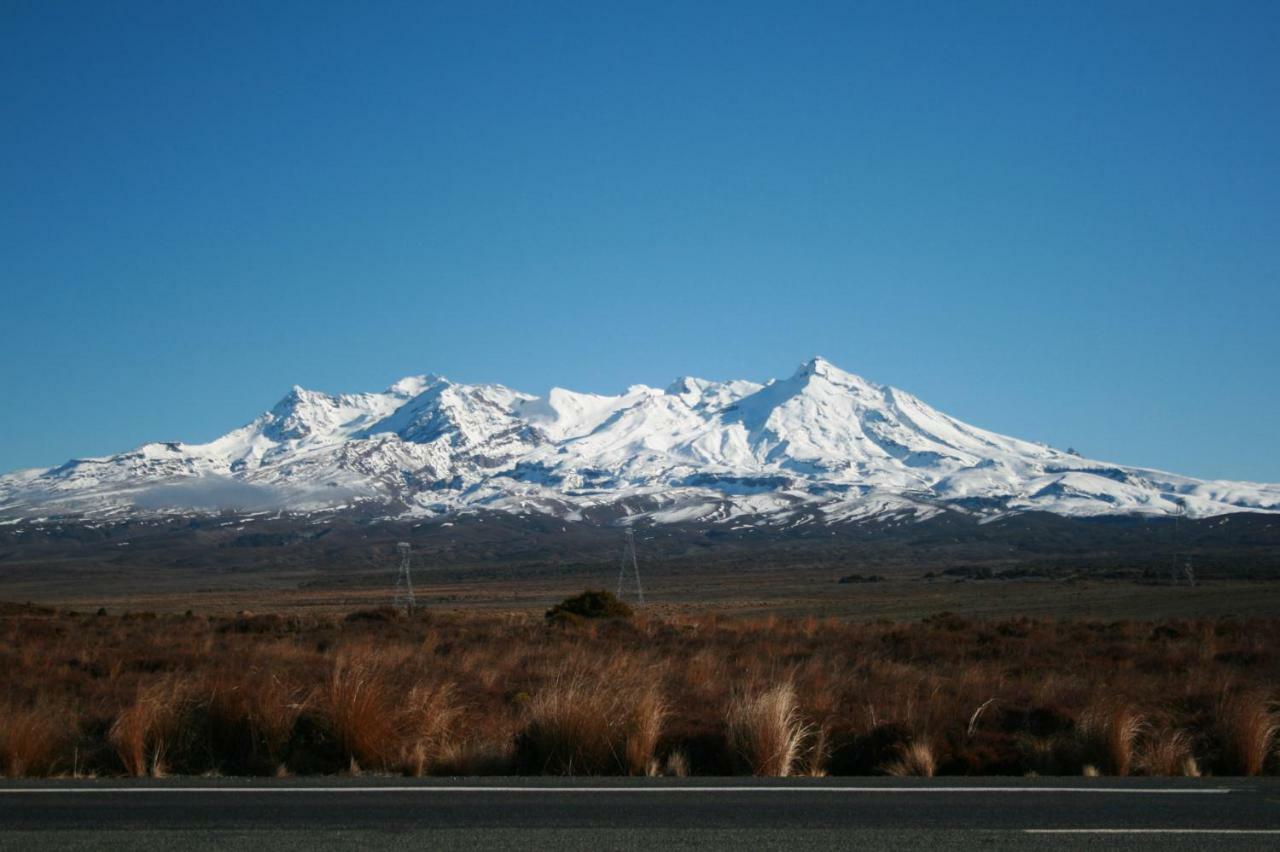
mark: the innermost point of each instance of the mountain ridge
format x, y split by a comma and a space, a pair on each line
821, 446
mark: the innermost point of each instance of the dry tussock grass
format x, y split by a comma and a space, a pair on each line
585, 724
766, 732
1248, 726
358, 706
255, 716
1106, 736
431, 715
1168, 752
383, 716
914, 759
691, 694
158, 726
33, 738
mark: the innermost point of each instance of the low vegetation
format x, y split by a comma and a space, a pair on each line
592, 603
432, 693
766, 732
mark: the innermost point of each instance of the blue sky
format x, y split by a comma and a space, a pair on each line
1054, 220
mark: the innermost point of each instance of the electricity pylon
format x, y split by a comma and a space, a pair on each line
629, 554
404, 581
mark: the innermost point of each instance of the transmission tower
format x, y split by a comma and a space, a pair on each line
404, 581
629, 555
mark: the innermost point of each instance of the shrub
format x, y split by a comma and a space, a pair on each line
593, 603
382, 614
563, 618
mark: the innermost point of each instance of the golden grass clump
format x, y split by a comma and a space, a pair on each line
1248, 725
358, 705
644, 726
766, 732
915, 759
676, 765
429, 718
253, 717
1168, 752
159, 726
580, 725
1107, 734
33, 738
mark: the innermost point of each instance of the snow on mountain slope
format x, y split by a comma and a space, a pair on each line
821, 446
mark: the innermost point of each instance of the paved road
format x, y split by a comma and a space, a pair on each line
623, 813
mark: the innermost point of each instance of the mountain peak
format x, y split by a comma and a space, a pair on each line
822, 368
823, 444
297, 395
686, 384
411, 386
819, 366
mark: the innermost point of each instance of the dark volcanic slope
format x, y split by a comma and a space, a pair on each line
1236, 546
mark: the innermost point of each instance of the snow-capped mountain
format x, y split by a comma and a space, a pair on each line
821, 446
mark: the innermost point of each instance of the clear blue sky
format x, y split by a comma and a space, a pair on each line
1060, 221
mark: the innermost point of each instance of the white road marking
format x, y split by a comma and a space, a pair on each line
1151, 831
1128, 791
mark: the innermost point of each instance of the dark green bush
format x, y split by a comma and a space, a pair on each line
593, 603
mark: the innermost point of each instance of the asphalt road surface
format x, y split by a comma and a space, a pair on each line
744, 814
